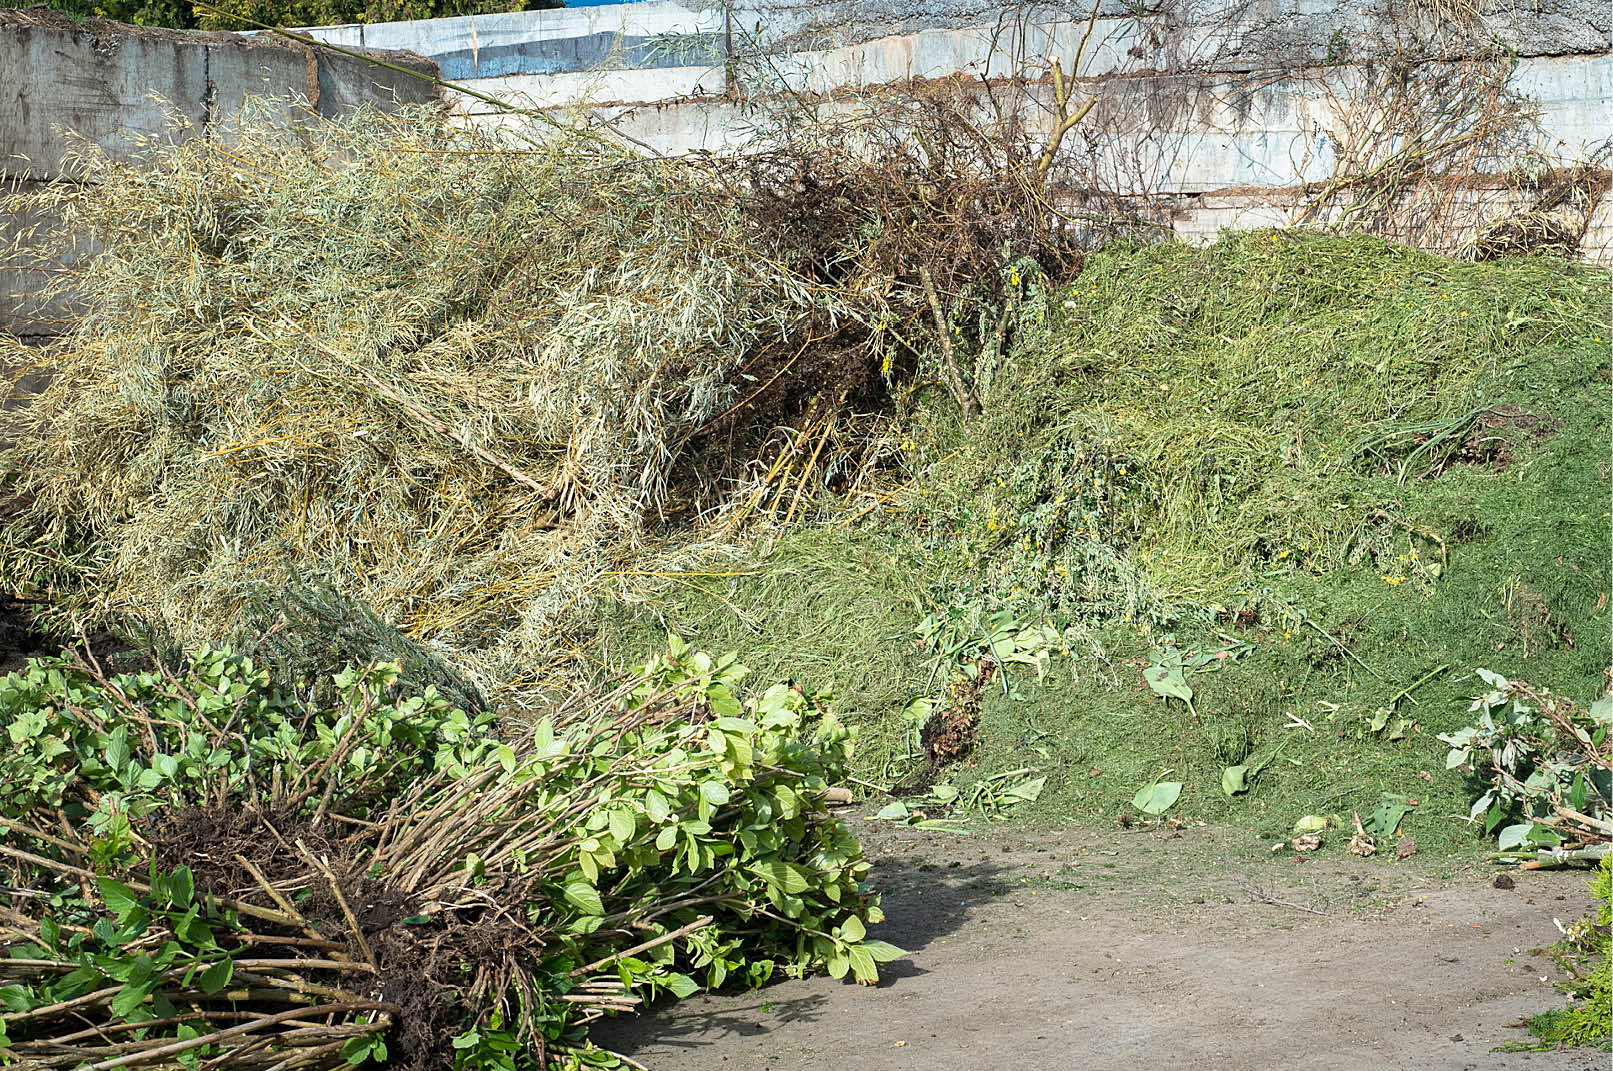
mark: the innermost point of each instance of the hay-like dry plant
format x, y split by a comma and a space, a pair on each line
444, 374
384, 387
1414, 142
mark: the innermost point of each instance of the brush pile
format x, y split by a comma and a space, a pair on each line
446, 376
384, 388
203, 871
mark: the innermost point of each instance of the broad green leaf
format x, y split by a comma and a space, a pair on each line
192, 929
734, 725
1235, 779
1602, 710
786, 877
714, 792
216, 976
883, 952
893, 810
1168, 681
1386, 818
1310, 823
853, 929
1027, 791
78, 981
119, 898
1514, 835
682, 985
863, 968
140, 970
584, 897
724, 704
1539, 834
131, 996
117, 748
1157, 798
181, 887
739, 750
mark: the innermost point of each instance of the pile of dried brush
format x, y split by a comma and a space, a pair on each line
387, 388
199, 870
445, 375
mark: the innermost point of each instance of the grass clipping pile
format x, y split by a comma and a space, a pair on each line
206, 872
444, 377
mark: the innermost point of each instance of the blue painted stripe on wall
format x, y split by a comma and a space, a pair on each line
601, 51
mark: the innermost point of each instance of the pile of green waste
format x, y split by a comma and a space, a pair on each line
1266, 504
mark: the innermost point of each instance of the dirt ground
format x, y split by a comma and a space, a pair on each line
1086, 949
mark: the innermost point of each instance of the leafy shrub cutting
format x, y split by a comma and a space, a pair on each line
1548, 765
211, 872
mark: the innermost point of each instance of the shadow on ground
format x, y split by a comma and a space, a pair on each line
922, 900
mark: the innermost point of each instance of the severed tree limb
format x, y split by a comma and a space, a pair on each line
703, 920
949, 361
1066, 119
237, 1031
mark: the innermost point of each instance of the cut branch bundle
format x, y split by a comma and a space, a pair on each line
387, 882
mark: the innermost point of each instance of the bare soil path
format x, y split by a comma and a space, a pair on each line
1085, 949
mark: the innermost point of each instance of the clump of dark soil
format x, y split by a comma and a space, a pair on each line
19, 640
430, 966
951, 732
1497, 433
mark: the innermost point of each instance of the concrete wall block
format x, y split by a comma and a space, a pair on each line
114, 85
555, 41
23, 308
90, 80
119, 87
592, 88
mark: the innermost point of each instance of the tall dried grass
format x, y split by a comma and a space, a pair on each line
441, 373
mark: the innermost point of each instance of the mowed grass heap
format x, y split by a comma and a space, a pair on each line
1333, 474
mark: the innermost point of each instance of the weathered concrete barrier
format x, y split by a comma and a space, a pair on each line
112, 84
1227, 111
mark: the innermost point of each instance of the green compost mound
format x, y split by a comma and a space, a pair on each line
1313, 480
